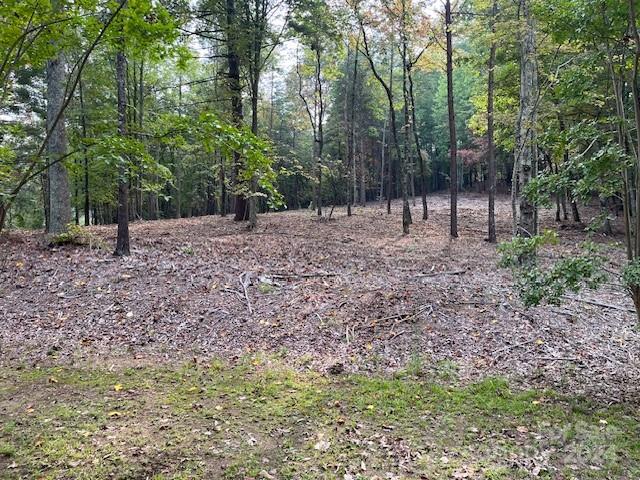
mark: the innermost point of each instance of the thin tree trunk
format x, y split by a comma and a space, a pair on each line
122, 242
416, 139
363, 173
351, 136
490, 131
320, 136
453, 142
382, 152
394, 135
404, 168
83, 124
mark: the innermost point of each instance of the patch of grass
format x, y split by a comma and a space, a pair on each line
228, 422
78, 236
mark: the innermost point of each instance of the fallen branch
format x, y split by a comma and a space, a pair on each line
559, 359
403, 317
434, 274
302, 275
511, 347
391, 337
245, 281
600, 304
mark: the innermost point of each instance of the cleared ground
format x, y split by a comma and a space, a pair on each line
303, 321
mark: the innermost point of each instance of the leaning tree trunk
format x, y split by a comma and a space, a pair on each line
122, 242
59, 201
453, 141
527, 152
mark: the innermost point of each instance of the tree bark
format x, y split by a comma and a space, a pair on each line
527, 146
416, 139
83, 123
122, 241
235, 88
453, 141
58, 189
490, 130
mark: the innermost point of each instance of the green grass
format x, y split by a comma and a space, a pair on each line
262, 420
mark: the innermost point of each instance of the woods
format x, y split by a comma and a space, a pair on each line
427, 205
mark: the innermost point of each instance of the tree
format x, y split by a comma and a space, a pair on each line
315, 24
59, 203
526, 161
491, 153
122, 240
453, 141
368, 53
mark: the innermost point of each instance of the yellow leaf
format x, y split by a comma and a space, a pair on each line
539, 341
114, 413
192, 389
117, 387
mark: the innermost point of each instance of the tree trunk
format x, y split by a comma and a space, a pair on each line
490, 132
394, 135
416, 139
122, 242
235, 88
351, 134
85, 163
363, 179
59, 198
404, 166
453, 142
382, 152
319, 140
527, 147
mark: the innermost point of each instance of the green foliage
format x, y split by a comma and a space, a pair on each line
631, 274
538, 284
512, 252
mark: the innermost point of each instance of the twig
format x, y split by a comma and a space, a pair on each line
553, 359
391, 337
434, 274
600, 304
510, 347
245, 280
302, 275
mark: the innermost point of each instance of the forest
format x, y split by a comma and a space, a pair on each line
320, 239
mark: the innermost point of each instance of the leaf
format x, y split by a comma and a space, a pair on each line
117, 387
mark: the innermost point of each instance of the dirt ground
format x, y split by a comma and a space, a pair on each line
351, 293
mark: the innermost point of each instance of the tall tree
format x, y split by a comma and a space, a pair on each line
59, 200
453, 141
526, 147
122, 240
491, 153
393, 124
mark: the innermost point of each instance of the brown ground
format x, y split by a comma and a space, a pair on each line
351, 292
